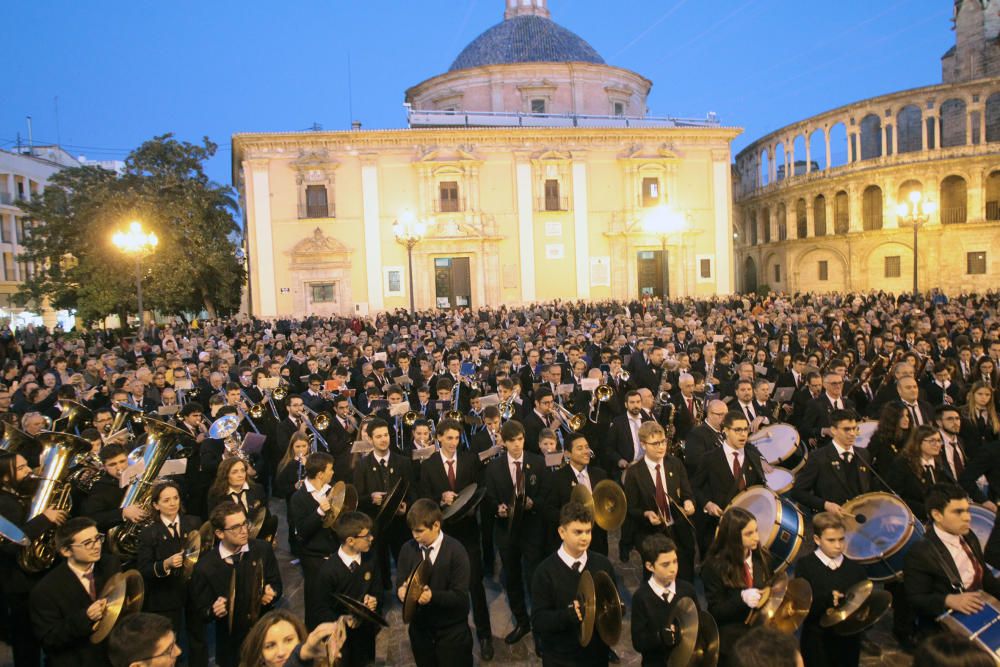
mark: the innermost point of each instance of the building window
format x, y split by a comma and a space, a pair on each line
892, 267
619, 109
650, 191
449, 196
824, 270
323, 292
4, 230
316, 202
777, 273
8, 266
705, 268
975, 263
552, 202
537, 106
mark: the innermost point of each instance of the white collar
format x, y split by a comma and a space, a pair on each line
245, 487
652, 464
225, 553
831, 563
77, 571
953, 541
348, 559
924, 462
511, 460
569, 560
730, 450
660, 590
312, 490
841, 451
177, 520
577, 473
833, 401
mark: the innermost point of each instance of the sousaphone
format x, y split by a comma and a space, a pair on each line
607, 502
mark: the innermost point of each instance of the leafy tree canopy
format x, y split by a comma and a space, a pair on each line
75, 265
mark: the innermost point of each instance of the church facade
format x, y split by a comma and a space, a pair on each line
530, 171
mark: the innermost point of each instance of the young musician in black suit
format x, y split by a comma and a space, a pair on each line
484, 441
442, 476
818, 418
439, 633
735, 572
516, 473
831, 575
353, 572
143, 639
917, 468
160, 557
64, 605
660, 498
341, 435
555, 613
577, 470
724, 472
307, 512
103, 503
210, 583
655, 599
622, 444
233, 484
375, 475
540, 418
837, 472
945, 570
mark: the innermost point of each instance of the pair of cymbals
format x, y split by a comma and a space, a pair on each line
124, 592
465, 503
515, 510
390, 505
607, 502
600, 606
192, 552
342, 498
787, 605
696, 636
419, 578
360, 610
861, 608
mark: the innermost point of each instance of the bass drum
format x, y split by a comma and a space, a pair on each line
781, 525
982, 526
880, 532
779, 445
866, 430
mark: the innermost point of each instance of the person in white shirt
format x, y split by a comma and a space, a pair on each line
654, 602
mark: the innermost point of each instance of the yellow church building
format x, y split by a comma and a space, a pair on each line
531, 170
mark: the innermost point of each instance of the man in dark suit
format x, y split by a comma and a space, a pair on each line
815, 425
688, 411
837, 472
307, 510
705, 437
375, 475
442, 476
945, 570
439, 633
578, 470
340, 436
538, 419
64, 605
516, 477
103, 503
622, 445
724, 472
660, 497
921, 412
235, 552
940, 390
655, 600
648, 369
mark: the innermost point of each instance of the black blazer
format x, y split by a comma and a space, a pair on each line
817, 417
500, 491
619, 444
103, 503
533, 425
640, 493
255, 497
434, 478
368, 479
59, 615
14, 579
714, 481
930, 575
700, 440
823, 478
449, 584
314, 538
683, 420
560, 485
165, 591
649, 617
912, 488
335, 577
926, 412
726, 604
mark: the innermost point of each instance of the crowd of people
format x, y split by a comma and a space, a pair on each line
447, 439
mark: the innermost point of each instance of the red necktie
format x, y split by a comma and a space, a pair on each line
977, 578
690, 407
451, 475
91, 585
747, 575
661, 497
738, 472
957, 458
518, 478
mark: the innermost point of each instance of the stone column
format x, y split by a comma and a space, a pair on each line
581, 236
826, 140
968, 125
854, 206
809, 161
723, 204
982, 124
262, 276
525, 228
791, 221
976, 197
889, 220
373, 230
810, 219
881, 136
923, 132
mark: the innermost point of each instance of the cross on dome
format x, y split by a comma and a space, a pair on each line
526, 8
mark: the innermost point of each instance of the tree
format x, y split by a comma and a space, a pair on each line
73, 264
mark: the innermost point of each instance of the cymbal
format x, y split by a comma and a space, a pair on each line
254, 589
359, 609
706, 647
114, 592
855, 597
467, 501
515, 510
135, 592
414, 587
875, 607
207, 533
581, 494
257, 521
390, 503
9, 531
231, 600
609, 609
588, 606
794, 607
770, 600
610, 505
343, 498
192, 552
683, 620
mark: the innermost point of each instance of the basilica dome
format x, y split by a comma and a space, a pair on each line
526, 39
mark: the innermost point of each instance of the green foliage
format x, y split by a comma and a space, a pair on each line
164, 186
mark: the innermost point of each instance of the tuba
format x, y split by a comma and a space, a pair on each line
164, 441
62, 452
14, 439
75, 416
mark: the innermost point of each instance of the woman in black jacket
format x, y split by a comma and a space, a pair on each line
917, 468
890, 436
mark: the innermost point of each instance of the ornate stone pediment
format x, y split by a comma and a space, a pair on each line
455, 228
314, 166
643, 153
551, 154
319, 250
447, 154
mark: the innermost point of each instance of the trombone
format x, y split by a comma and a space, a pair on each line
322, 423
602, 394
571, 422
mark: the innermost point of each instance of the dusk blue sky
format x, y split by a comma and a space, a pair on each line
126, 71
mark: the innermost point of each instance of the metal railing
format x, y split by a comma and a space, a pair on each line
316, 211
953, 214
553, 204
433, 117
449, 205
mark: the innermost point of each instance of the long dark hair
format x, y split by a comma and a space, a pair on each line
726, 552
221, 484
888, 424
911, 451
8, 471
251, 655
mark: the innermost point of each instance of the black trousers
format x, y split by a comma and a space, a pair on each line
310, 568
520, 554
477, 593
26, 649
444, 647
387, 547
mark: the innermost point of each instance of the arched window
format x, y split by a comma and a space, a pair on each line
753, 228
819, 215
993, 117
953, 200
817, 150
993, 196
952, 123
841, 213
782, 222
871, 137
765, 223
871, 208
779, 161
801, 223
765, 168
909, 137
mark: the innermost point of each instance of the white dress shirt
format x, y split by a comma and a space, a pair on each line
831, 563
435, 547
963, 563
513, 468
670, 590
318, 494
81, 576
569, 560
582, 476
347, 559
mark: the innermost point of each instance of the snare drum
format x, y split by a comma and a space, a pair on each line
982, 627
882, 533
779, 480
780, 523
779, 445
866, 430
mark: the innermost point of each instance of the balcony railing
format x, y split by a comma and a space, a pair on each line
953, 214
553, 204
316, 211
993, 210
449, 205
435, 118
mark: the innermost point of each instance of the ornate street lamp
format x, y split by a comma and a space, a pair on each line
663, 220
409, 232
136, 242
915, 212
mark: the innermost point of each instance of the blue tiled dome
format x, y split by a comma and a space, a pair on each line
526, 39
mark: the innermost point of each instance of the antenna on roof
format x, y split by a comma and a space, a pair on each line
31, 147
55, 103
350, 91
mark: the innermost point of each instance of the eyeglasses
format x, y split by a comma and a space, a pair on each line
166, 654
237, 528
655, 443
92, 542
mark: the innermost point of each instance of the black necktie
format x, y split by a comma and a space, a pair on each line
173, 530
577, 565
427, 552
354, 566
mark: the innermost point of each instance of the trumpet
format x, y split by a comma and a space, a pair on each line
506, 410
410, 418
624, 376
322, 423
572, 422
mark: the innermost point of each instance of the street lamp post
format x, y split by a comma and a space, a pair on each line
409, 232
916, 212
138, 243
663, 221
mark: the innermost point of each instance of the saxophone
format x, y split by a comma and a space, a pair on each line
61, 453
676, 449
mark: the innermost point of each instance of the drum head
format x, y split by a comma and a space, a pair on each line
881, 524
779, 480
775, 443
760, 502
982, 523
866, 430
